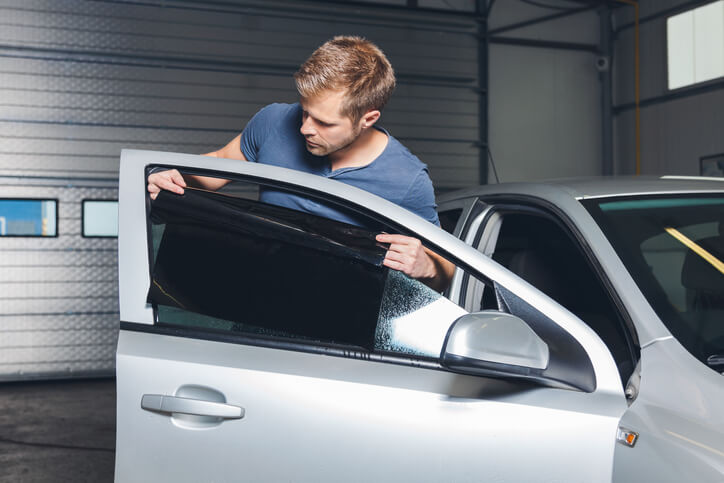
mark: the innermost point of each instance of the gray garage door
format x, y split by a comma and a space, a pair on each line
58, 277
81, 80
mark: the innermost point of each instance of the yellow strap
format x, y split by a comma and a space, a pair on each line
714, 261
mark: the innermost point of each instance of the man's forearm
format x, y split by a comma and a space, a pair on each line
205, 182
444, 271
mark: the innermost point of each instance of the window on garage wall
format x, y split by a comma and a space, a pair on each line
29, 217
100, 218
695, 45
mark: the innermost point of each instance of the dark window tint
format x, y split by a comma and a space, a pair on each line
237, 265
28, 218
268, 269
538, 250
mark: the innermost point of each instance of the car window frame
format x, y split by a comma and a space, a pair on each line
500, 204
137, 315
274, 342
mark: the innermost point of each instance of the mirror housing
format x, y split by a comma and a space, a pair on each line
492, 343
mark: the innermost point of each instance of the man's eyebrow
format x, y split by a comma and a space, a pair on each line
326, 123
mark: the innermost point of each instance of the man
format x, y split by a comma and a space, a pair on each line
343, 87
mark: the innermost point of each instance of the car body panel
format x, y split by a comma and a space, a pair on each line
677, 411
316, 417
320, 418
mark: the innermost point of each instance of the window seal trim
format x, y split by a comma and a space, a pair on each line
270, 342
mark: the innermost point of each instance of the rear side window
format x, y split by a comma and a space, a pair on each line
28, 217
100, 218
449, 219
228, 263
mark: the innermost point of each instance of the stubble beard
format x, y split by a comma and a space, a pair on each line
327, 149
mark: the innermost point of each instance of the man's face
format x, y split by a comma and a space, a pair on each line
323, 127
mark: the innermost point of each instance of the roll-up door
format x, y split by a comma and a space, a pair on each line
58, 287
80, 80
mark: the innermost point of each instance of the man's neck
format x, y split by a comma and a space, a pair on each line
365, 149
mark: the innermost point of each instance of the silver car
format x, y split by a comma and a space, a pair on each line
581, 338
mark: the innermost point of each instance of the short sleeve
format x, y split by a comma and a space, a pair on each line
420, 198
257, 131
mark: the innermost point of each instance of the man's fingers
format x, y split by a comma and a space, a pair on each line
399, 239
169, 185
399, 257
167, 180
393, 264
177, 178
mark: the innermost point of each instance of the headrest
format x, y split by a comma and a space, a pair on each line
700, 275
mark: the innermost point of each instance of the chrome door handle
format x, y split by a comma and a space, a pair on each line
197, 407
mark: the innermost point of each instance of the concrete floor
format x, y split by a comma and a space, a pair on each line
57, 431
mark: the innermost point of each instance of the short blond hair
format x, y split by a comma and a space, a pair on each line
352, 64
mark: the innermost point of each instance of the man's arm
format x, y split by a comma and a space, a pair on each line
407, 255
172, 180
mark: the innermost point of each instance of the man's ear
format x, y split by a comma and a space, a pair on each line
369, 118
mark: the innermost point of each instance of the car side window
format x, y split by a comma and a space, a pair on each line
229, 263
539, 250
449, 219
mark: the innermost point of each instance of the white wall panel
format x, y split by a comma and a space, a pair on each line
545, 103
677, 127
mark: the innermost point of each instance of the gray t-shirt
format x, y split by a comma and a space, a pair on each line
272, 137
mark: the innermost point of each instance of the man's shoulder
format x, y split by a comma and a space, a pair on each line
402, 156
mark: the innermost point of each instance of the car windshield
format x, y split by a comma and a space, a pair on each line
673, 246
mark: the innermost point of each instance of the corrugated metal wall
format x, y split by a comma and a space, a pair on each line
58, 295
80, 80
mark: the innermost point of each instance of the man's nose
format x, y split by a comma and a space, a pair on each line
307, 128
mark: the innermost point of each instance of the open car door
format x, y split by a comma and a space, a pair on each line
260, 343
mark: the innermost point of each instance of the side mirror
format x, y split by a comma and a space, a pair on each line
494, 344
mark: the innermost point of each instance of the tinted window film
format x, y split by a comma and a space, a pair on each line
266, 267
538, 250
237, 265
28, 218
100, 218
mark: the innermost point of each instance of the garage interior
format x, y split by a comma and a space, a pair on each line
488, 91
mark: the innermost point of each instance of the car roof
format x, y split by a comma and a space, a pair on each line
597, 187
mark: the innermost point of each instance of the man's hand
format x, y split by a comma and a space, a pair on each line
407, 255
410, 257
170, 180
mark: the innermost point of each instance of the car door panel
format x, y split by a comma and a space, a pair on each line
317, 418
315, 413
